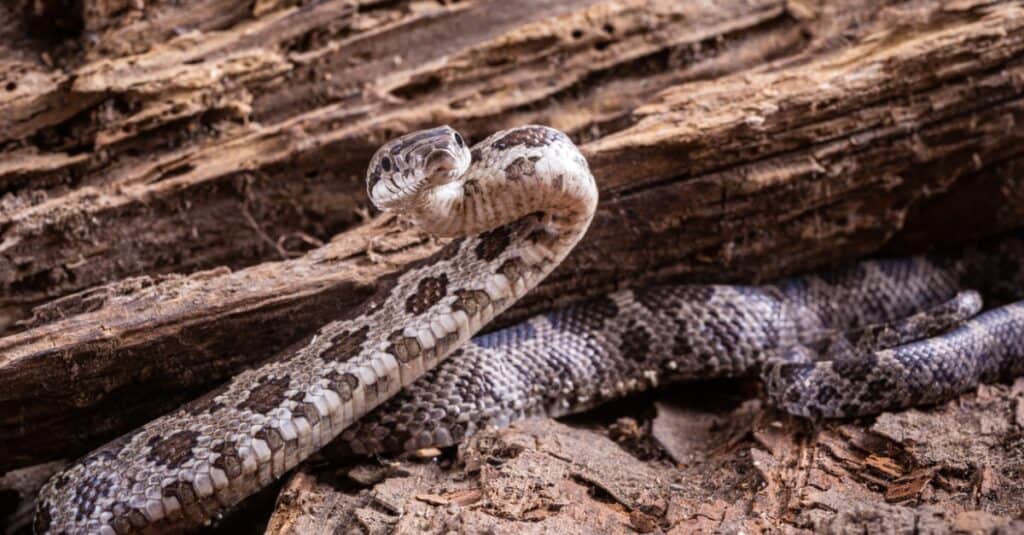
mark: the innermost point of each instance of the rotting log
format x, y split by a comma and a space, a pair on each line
744, 142
235, 143
232, 138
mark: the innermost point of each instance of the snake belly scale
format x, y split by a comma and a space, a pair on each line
516, 203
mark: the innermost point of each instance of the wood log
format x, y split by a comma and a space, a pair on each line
233, 137
230, 143
735, 142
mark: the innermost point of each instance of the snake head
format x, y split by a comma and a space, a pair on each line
406, 167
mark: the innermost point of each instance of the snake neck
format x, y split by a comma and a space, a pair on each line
523, 171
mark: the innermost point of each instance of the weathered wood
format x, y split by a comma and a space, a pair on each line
231, 138
824, 154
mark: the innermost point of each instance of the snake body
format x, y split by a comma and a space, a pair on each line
572, 359
876, 336
517, 203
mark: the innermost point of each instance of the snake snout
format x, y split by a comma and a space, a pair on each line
440, 166
445, 160
406, 168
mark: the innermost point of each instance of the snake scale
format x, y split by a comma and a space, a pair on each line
516, 204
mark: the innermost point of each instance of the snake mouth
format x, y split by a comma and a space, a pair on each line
441, 166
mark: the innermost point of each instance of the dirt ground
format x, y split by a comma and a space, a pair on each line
694, 458
673, 463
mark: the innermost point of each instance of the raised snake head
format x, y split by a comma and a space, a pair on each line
404, 168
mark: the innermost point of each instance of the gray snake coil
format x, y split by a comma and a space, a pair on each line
879, 335
914, 339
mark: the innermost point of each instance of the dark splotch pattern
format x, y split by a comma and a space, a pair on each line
528, 137
870, 292
580, 356
899, 331
492, 243
429, 291
520, 168
987, 348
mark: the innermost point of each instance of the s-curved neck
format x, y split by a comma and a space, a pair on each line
544, 175
520, 209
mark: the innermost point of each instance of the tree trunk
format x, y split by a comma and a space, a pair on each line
183, 187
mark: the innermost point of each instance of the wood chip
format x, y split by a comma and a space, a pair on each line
910, 486
465, 497
643, 522
885, 465
459, 497
432, 499
427, 453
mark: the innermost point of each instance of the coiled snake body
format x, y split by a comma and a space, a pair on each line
521, 204
919, 343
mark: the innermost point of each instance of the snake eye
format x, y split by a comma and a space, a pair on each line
385, 163
459, 141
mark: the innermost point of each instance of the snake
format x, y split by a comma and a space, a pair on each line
514, 205
403, 371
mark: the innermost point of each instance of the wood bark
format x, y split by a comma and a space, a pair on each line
170, 174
